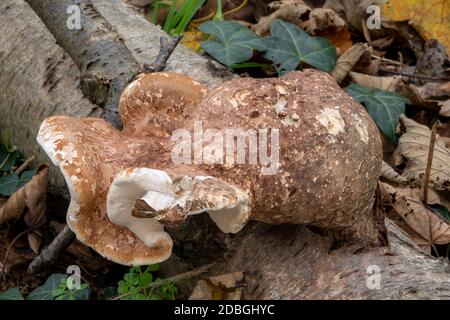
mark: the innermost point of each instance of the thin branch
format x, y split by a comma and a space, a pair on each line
415, 76
24, 165
426, 179
387, 60
50, 254
166, 50
176, 278
7, 157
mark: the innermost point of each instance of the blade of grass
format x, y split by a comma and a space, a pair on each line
188, 16
155, 7
182, 12
169, 20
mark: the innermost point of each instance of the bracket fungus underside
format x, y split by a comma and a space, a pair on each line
126, 185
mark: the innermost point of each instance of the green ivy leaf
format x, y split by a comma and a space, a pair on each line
442, 211
12, 182
11, 294
81, 294
289, 46
385, 107
8, 160
45, 292
233, 42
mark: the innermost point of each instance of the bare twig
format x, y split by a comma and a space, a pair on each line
415, 76
167, 47
347, 61
24, 165
7, 157
176, 278
50, 254
426, 179
387, 60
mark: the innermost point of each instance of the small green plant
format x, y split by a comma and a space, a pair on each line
233, 43
9, 158
287, 47
180, 14
11, 294
65, 291
384, 107
141, 285
57, 287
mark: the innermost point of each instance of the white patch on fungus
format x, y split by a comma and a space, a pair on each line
281, 89
331, 119
361, 128
280, 106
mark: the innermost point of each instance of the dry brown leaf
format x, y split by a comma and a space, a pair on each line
446, 87
445, 108
318, 22
223, 287
355, 11
407, 32
347, 61
383, 43
32, 196
414, 146
424, 221
288, 11
374, 82
16, 258
321, 19
432, 90
430, 18
409, 232
415, 96
389, 174
340, 38
29, 202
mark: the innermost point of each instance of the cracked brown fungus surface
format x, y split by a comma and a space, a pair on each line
295, 149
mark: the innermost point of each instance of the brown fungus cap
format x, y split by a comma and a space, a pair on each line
107, 171
125, 185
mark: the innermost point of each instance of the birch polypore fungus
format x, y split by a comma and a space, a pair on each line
294, 149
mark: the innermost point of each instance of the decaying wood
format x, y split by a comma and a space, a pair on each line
293, 262
38, 78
